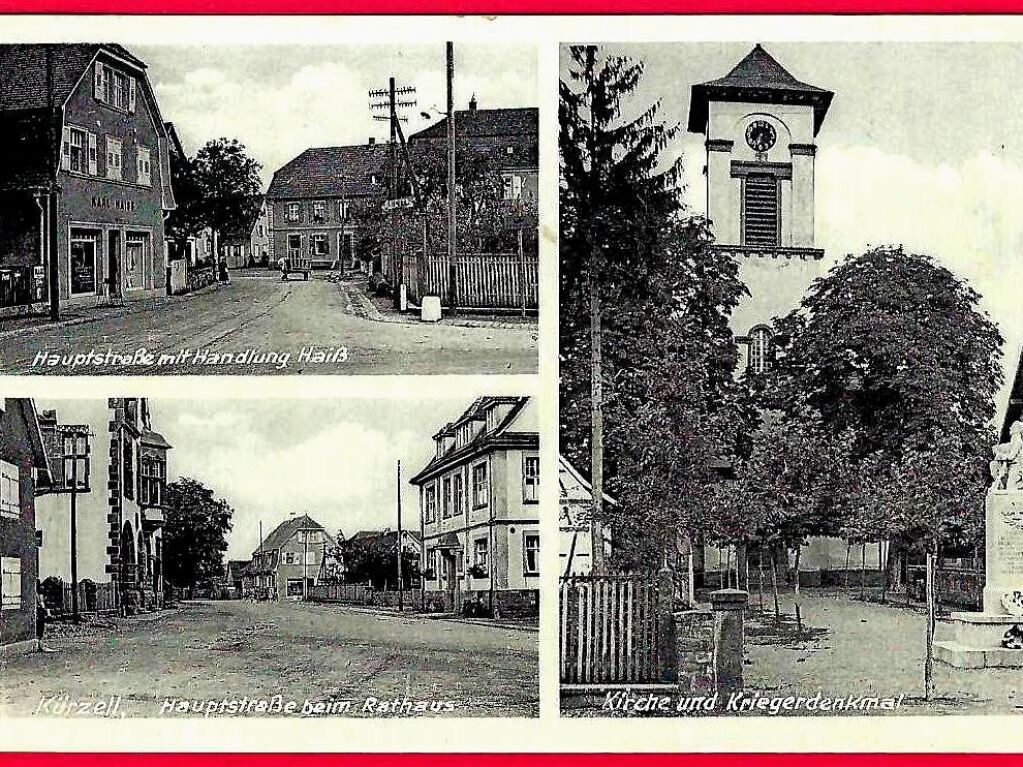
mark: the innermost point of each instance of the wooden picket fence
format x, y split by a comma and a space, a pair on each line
482, 280
102, 600
610, 628
345, 593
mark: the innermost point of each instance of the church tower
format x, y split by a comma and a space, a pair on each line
761, 126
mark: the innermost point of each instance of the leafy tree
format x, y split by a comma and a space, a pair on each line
647, 360
893, 349
187, 219
194, 534
375, 560
227, 183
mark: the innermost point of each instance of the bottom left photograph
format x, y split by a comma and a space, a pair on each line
269, 557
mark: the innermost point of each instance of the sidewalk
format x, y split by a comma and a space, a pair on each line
387, 610
26, 324
359, 304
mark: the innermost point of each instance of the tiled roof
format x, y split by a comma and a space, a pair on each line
27, 162
576, 495
23, 71
758, 79
286, 529
478, 123
155, 439
484, 438
332, 171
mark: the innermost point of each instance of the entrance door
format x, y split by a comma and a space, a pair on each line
114, 264
451, 580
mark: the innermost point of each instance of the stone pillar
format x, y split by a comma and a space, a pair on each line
1004, 549
667, 649
729, 607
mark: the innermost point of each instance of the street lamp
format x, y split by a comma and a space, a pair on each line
75, 449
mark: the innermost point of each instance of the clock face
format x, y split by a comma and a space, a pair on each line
760, 135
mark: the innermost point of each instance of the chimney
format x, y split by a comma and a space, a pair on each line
472, 103
372, 140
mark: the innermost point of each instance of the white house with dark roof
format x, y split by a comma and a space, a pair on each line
289, 560
479, 509
312, 199
576, 530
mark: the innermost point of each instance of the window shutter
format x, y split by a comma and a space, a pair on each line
93, 155
761, 210
131, 94
65, 150
98, 82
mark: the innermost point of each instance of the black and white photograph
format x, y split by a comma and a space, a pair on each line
171, 558
791, 385
268, 209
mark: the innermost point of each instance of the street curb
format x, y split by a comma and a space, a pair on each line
111, 312
367, 311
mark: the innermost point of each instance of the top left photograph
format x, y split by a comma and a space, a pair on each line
268, 209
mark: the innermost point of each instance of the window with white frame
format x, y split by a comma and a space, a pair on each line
531, 478
293, 212
512, 187
114, 148
78, 148
144, 169
480, 486
480, 552
114, 88
531, 553
10, 490
431, 562
430, 504
318, 245
10, 583
457, 494
319, 210
445, 498
760, 349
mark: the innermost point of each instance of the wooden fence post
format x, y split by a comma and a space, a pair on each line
522, 273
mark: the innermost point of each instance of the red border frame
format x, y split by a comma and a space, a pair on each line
507, 760
510, 7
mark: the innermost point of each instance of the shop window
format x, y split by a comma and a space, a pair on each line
82, 265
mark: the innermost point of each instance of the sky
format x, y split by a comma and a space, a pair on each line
281, 100
334, 459
922, 146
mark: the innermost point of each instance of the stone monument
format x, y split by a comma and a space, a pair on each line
994, 638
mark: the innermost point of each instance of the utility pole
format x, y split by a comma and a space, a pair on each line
452, 222
75, 614
305, 565
51, 200
401, 582
262, 560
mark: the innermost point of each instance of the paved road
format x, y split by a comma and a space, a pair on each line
303, 652
185, 335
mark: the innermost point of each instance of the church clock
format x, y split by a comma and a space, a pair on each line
760, 135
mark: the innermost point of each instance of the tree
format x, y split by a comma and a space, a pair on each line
894, 349
228, 186
194, 534
374, 559
187, 219
647, 359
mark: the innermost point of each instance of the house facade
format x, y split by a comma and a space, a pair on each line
24, 475
575, 527
93, 175
313, 200
479, 509
120, 515
289, 560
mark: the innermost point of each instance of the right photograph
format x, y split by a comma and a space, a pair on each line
791, 384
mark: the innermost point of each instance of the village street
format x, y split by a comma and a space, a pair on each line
301, 651
260, 313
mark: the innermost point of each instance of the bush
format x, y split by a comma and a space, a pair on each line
378, 285
53, 593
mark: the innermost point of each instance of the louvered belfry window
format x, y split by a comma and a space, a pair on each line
761, 209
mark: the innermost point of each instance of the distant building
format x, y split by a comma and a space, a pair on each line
576, 521
289, 560
412, 541
121, 516
249, 243
24, 474
81, 118
235, 575
313, 199
479, 509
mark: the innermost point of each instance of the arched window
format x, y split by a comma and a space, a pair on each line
760, 349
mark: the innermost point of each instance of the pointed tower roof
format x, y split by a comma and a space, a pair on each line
759, 79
